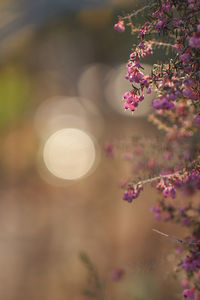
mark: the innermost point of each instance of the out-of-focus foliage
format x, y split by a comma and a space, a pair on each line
15, 94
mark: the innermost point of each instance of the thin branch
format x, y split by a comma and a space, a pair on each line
161, 44
173, 238
149, 180
179, 241
135, 13
182, 171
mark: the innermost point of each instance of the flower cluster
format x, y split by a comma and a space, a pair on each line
187, 182
179, 78
120, 26
132, 192
175, 25
135, 75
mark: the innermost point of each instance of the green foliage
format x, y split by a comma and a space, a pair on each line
14, 94
96, 287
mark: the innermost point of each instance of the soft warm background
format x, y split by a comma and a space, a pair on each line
62, 66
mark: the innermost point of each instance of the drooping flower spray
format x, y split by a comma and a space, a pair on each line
175, 25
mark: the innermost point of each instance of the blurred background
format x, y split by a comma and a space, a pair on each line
62, 69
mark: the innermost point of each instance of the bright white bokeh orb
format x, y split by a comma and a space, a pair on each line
69, 153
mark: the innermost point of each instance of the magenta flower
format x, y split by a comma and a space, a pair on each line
132, 193
185, 57
159, 25
185, 283
109, 149
169, 191
189, 293
162, 103
194, 41
149, 91
185, 222
120, 26
187, 93
197, 118
117, 274
156, 208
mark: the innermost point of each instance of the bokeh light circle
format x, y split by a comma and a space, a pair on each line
60, 112
69, 153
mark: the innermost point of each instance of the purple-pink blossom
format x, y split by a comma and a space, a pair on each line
197, 118
120, 26
117, 274
189, 293
162, 103
194, 41
169, 191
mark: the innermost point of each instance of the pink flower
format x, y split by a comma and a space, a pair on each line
132, 193
166, 6
151, 163
197, 118
141, 97
185, 222
109, 149
161, 185
159, 25
189, 293
169, 191
117, 274
167, 155
162, 103
179, 250
158, 217
198, 274
185, 283
120, 26
149, 91
177, 22
178, 47
187, 93
185, 57
194, 41
156, 209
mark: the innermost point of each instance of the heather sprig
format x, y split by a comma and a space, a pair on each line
175, 25
178, 79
